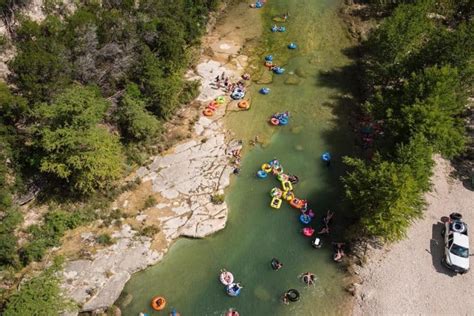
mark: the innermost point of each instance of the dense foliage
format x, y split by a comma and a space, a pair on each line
86, 86
417, 74
40, 295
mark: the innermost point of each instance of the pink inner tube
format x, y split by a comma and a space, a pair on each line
274, 121
226, 278
308, 231
232, 313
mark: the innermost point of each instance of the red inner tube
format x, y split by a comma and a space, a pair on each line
274, 121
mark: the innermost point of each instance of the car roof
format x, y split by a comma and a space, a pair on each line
461, 239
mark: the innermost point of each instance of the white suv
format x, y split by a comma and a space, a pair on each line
456, 244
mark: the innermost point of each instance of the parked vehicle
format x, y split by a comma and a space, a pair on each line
456, 244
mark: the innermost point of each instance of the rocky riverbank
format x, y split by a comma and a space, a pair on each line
180, 182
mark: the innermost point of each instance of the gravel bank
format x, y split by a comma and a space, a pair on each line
407, 277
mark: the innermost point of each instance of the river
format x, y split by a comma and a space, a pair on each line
316, 90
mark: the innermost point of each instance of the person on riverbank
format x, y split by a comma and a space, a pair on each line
339, 251
285, 299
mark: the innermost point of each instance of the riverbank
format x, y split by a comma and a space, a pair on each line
178, 185
407, 277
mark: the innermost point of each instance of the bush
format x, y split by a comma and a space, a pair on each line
40, 295
149, 202
217, 198
149, 231
104, 239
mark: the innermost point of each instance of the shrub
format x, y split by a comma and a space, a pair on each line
217, 198
104, 239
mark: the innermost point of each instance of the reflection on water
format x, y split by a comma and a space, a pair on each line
255, 233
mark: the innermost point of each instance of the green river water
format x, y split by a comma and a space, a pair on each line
318, 103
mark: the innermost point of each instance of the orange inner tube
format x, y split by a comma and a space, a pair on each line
214, 104
208, 112
158, 303
244, 104
274, 121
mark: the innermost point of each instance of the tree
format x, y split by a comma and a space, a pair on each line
134, 120
392, 46
40, 295
41, 68
73, 147
12, 107
385, 195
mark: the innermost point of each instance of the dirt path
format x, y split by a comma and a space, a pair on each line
409, 278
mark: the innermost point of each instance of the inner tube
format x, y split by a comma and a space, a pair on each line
265, 90
274, 28
275, 264
267, 167
208, 112
233, 289
226, 277
288, 195
278, 70
293, 295
459, 227
232, 312
220, 99
262, 174
317, 243
305, 219
269, 58
287, 186
455, 216
244, 104
158, 303
284, 121
276, 192
292, 46
293, 179
326, 156
274, 121
310, 213
281, 29
238, 94
308, 231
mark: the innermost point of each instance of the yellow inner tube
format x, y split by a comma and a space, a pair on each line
244, 104
266, 167
220, 99
158, 303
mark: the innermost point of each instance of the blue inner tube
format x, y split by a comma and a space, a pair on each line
265, 90
292, 46
269, 58
262, 174
326, 156
283, 121
233, 289
279, 70
258, 5
305, 219
274, 29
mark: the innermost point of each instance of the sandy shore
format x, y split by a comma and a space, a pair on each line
407, 277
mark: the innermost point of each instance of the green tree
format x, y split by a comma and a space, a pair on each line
12, 107
74, 147
41, 68
385, 196
134, 120
40, 295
